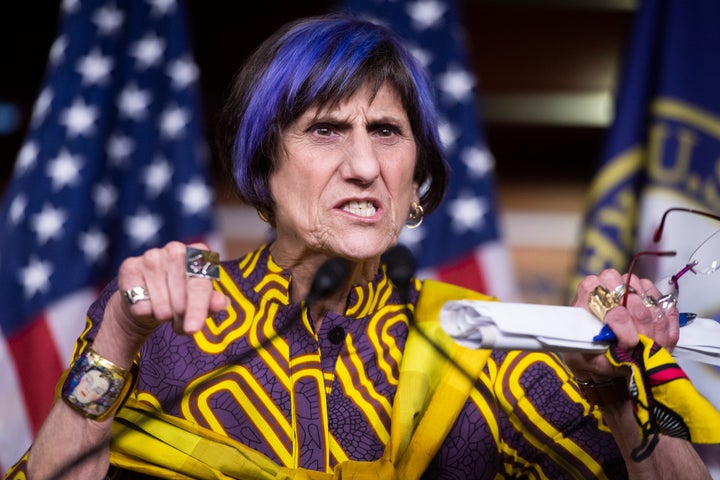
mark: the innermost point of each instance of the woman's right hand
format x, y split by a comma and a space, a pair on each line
174, 296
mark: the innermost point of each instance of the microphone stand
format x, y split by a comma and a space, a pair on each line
401, 268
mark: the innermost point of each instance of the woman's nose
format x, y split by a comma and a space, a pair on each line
361, 163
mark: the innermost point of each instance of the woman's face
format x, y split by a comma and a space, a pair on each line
343, 183
91, 387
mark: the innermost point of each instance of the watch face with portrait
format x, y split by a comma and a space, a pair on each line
92, 387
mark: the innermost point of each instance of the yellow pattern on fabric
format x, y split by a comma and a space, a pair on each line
370, 395
309, 368
678, 395
365, 405
249, 262
251, 397
264, 348
555, 437
436, 378
235, 326
386, 348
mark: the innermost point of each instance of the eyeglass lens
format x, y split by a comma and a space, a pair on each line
704, 260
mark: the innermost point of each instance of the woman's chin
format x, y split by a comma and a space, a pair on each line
361, 248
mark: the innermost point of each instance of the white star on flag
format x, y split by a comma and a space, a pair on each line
108, 19
27, 158
195, 196
17, 208
148, 51
448, 134
80, 118
94, 245
133, 102
457, 83
424, 56
182, 72
467, 212
48, 223
64, 170
426, 13
156, 176
172, 121
35, 277
161, 7
95, 68
42, 106
57, 50
478, 161
104, 197
143, 227
119, 148
70, 6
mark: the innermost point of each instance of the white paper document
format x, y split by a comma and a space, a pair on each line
523, 326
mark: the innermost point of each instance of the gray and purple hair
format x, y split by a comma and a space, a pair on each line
319, 62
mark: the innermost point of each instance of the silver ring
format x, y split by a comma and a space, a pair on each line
202, 263
667, 302
136, 294
649, 300
619, 291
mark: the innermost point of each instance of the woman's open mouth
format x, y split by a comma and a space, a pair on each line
361, 208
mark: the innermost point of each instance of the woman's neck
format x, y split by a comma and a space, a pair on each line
303, 270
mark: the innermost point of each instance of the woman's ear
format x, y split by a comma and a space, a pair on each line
416, 193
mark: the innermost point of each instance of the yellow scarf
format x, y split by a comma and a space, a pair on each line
665, 400
436, 377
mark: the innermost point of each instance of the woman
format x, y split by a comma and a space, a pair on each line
331, 135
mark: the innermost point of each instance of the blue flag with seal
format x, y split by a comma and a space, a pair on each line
663, 151
114, 163
460, 243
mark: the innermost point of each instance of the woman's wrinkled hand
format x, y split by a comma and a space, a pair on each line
173, 295
627, 322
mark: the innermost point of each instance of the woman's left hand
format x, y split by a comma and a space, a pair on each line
662, 325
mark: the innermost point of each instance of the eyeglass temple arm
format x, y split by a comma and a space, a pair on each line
632, 268
659, 231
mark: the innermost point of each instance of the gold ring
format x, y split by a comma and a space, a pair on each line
601, 301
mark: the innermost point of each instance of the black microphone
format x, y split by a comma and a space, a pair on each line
401, 268
328, 278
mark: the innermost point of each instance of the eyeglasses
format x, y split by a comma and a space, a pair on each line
705, 259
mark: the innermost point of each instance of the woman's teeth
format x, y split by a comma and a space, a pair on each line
361, 209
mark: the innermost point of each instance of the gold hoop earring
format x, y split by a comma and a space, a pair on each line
415, 216
264, 216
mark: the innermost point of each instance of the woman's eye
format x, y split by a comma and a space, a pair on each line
387, 131
323, 130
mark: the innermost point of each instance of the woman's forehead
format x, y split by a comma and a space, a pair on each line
368, 94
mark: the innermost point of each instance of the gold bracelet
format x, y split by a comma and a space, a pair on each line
609, 391
94, 386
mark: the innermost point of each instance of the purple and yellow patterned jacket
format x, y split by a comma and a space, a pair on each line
259, 374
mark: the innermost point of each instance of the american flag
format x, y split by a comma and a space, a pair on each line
461, 242
114, 163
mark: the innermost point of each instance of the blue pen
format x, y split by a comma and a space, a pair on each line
606, 335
